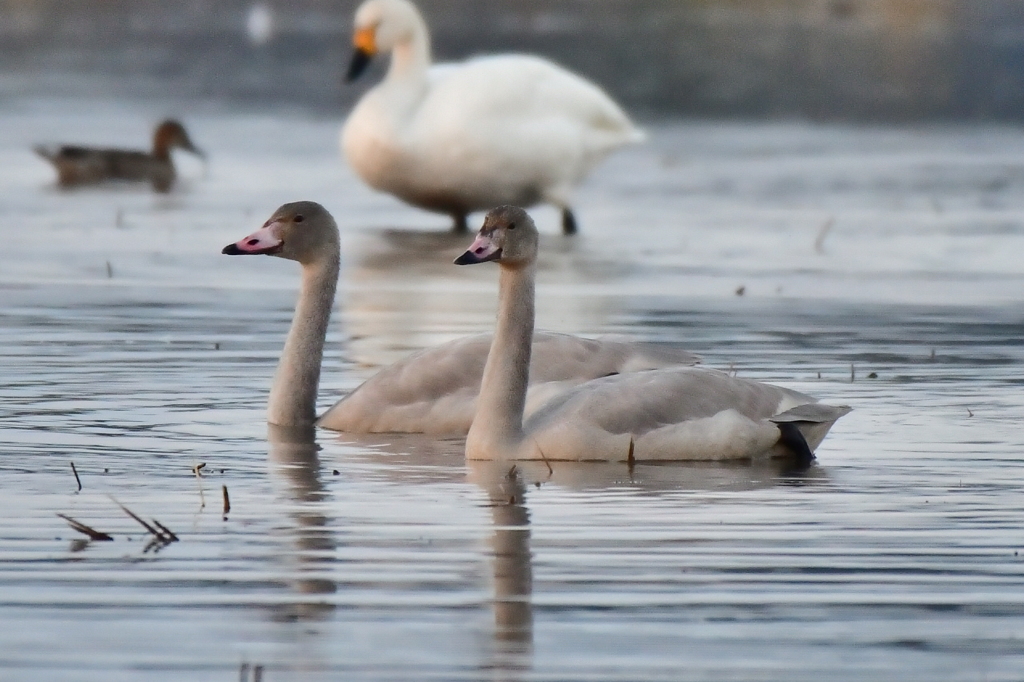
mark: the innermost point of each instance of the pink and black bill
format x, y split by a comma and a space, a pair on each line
263, 241
482, 250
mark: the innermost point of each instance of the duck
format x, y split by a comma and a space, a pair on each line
461, 137
672, 413
88, 165
433, 391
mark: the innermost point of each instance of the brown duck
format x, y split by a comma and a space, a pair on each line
84, 165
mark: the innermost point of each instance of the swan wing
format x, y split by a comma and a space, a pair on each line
669, 414
505, 129
435, 390
511, 128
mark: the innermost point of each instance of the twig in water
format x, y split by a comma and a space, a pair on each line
163, 534
197, 469
551, 471
819, 242
629, 456
82, 528
75, 472
110, 271
853, 374
969, 413
167, 531
227, 501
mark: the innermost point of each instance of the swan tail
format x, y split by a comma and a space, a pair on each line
813, 413
811, 421
792, 439
636, 135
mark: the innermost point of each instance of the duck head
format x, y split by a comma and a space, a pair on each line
171, 134
381, 26
508, 236
302, 231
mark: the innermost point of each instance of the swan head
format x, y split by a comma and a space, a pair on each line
302, 231
508, 236
381, 26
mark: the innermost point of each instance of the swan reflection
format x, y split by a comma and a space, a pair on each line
397, 285
512, 568
295, 469
510, 488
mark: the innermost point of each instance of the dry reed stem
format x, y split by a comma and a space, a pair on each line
75, 472
86, 530
163, 534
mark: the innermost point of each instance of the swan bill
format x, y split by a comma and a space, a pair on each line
265, 241
482, 250
235, 250
470, 258
360, 60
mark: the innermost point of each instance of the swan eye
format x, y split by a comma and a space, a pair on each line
297, 219
511, 226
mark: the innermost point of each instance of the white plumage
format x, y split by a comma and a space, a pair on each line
456, 138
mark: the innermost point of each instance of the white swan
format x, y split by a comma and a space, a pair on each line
457, 138
434, 391
683, 413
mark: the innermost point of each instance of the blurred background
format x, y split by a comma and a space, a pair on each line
891, 60
831, 198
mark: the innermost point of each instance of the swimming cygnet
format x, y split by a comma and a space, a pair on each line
434, 391
680, 413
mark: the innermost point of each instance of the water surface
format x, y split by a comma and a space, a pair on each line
879, 267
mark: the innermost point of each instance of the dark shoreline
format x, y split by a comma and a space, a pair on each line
856, 60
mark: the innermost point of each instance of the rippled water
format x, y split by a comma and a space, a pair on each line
132, 348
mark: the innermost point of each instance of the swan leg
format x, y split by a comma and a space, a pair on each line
791, 438
568, 221
459, 224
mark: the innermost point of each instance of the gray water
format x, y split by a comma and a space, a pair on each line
879, 267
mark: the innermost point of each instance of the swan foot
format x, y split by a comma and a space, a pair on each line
793, 440
568, 222
459, 224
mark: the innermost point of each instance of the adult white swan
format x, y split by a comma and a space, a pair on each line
684, 413
433, 391
468, 136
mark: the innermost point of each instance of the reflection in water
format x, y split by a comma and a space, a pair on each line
401, 291
295, 463
512, 567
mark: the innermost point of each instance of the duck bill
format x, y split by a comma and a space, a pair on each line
360, 60
195, 150
264, 241
483, 250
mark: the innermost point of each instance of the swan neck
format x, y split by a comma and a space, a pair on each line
497, 429
293, 394
410, 58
